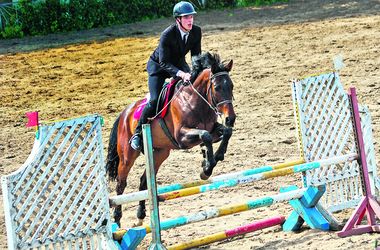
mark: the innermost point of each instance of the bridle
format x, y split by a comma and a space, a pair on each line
211, 80
214, 106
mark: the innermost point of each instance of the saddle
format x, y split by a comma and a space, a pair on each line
165, 96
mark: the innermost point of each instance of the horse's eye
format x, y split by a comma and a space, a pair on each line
217, 87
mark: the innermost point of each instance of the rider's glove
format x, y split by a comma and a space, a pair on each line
185, 77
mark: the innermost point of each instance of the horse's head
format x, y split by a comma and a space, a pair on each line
222, 90
208, 69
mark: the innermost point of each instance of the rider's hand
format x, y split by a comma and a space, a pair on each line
185, 77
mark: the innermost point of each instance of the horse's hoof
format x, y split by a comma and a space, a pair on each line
160, 198
219, 157
118, 223
141, 213
139, 223
204, 176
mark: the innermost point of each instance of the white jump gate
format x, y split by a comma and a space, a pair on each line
324, 119
59, 198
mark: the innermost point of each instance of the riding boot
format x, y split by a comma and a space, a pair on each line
136, 139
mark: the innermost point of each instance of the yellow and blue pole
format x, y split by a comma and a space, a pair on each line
143, 195
227, 210
256, 177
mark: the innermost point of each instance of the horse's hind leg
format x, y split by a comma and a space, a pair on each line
141, 210
125, 166
120, 186
160, 155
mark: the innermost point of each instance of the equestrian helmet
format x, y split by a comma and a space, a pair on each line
183, 9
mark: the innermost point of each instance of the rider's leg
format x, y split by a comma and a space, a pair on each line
155, 86
147, 112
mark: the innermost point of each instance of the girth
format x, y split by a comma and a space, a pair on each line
165, 128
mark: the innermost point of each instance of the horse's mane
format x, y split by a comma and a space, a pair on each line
205, 61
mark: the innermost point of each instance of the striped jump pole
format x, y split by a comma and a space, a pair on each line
143, 195
256, 177
252, 227
219, 212
240, 178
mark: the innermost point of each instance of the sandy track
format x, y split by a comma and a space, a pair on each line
269, 46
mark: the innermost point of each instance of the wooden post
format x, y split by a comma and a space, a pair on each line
152, 189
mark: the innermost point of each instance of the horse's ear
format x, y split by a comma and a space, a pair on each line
228, 67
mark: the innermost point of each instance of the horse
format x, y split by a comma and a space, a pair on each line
191, 119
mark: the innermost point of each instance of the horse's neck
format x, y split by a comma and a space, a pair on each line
201, 84
194, 97
194, 101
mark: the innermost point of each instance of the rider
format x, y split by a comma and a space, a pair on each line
168, 60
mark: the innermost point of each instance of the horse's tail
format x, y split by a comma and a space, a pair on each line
112, 156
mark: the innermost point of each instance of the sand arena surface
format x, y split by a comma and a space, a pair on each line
102, 71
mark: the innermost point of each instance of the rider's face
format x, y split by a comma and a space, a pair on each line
187, 21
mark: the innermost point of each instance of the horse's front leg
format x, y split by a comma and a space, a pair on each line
193, 137
210, 162
226, 133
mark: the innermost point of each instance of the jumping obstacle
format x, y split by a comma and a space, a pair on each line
368, 206
143, 195
231, 209
302, 200
59, 198
231, 180
305, 211
239, 179
295, 219
322, 112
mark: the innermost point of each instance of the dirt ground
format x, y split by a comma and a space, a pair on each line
102, 71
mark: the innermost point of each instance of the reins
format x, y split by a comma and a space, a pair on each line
214, 106
204, 99
167, 104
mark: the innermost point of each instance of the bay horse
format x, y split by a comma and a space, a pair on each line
191, 119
